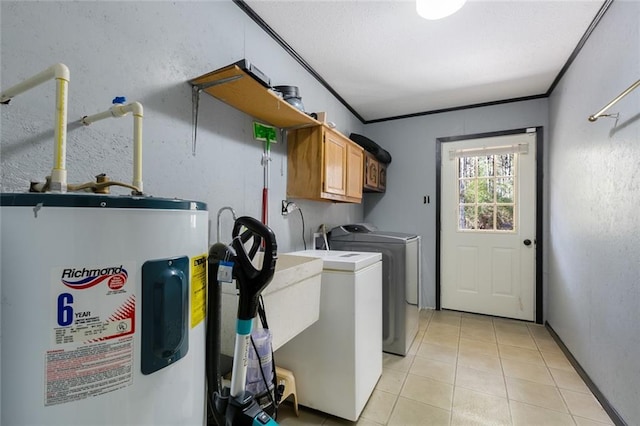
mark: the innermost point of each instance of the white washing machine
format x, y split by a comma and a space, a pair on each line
337, 361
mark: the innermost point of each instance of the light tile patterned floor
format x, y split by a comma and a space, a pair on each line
466, 369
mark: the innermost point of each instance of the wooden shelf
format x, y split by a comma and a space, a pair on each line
233, 86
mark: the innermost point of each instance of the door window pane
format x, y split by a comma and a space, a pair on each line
504, 218
485, 165
485, 217
468, 191
486, 193
504, 190
467, 217
467, 167
504, 164
485, 190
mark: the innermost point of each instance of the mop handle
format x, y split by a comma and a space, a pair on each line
240, 357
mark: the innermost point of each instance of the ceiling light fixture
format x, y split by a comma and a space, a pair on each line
437, 9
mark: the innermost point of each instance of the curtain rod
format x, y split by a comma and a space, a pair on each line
600, 113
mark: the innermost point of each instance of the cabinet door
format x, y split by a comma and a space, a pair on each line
335, 164
354, 170
382, 179
371, 172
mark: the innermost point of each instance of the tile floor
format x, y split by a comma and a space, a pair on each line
466, 369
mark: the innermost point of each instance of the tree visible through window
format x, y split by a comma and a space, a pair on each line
486, 195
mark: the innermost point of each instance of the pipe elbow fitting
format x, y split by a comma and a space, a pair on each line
136, 109
60, 71
120, 110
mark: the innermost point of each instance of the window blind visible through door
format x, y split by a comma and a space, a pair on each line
521, 148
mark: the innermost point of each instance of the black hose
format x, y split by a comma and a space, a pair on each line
213, 345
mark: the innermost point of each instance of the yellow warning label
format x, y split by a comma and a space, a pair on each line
198, 289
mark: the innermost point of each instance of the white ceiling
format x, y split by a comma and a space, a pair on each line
386, 61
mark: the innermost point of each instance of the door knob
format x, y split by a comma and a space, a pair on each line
527, 242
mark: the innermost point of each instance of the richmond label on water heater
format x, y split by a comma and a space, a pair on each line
92, 323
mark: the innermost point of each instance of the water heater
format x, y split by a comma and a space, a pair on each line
103, 307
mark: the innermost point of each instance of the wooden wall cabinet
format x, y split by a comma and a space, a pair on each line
375, 174
324, 165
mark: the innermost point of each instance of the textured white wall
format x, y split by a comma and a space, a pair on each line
147, 51
594, 249
412, 173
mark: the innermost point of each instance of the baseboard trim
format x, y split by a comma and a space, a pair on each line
615, 417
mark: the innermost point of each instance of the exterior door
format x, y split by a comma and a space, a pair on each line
488, 225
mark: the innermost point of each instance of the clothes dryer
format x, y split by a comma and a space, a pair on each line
400, 278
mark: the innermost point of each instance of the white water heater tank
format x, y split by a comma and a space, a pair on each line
102, 310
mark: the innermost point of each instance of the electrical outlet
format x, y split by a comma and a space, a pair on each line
288, 207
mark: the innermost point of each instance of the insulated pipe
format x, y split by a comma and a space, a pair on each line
120, 110
60, 73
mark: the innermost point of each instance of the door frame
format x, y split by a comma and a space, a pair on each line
539, 206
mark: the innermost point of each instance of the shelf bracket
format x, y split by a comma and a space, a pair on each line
205, 86
196, 89
195, 103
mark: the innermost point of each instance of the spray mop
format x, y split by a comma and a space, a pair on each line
234, 406
262, 132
